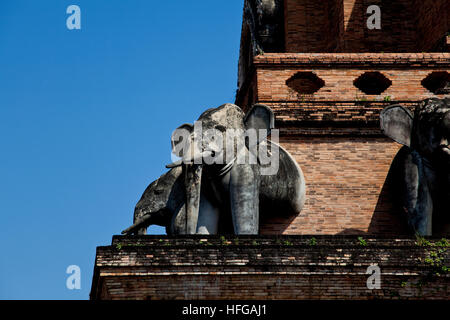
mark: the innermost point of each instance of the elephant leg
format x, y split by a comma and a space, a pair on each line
208, 217
193, 177
244, 196
178, 223
417, 197
141, 232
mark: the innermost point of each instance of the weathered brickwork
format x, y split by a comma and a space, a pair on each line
433, 21
405, 72
335, 137
347, 187
406, 84
247, 268
313, 26
363, 114
341, 26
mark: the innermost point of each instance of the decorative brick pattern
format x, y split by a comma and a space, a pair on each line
361, 114
339, 71
246, 268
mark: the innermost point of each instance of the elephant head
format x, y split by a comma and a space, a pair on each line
425, 161
222, 144
427, 131
208, 140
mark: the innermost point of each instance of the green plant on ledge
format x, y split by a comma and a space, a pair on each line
435, 254
421, 241
120, 245
223, 241
312, 242
362, 242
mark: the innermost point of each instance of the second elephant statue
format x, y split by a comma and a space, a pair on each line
422, 167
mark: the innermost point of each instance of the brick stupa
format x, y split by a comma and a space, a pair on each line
327, 76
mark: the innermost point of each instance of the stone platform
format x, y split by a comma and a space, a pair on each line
270, 267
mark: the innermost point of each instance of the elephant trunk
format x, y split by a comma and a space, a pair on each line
192, 180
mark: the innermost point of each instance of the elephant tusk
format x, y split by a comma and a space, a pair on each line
195, 160
175, 164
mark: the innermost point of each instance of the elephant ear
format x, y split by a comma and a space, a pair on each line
397, 123
180, 139
260, 117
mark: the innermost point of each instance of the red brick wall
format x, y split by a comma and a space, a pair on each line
341, 25
346, 189
397, 33
339, 100
313, 26
433, 21
406, 85
334, 135
406, 71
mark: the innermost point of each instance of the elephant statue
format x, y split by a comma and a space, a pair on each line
227, 176
421, 168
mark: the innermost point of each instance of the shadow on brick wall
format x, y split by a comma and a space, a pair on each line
388, 217
397, 33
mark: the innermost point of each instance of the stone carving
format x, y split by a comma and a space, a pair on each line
201, 196
422, 167
265, 20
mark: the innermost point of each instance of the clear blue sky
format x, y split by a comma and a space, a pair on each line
86, 117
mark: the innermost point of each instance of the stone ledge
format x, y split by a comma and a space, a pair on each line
277, 240
267, 267
441, 59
